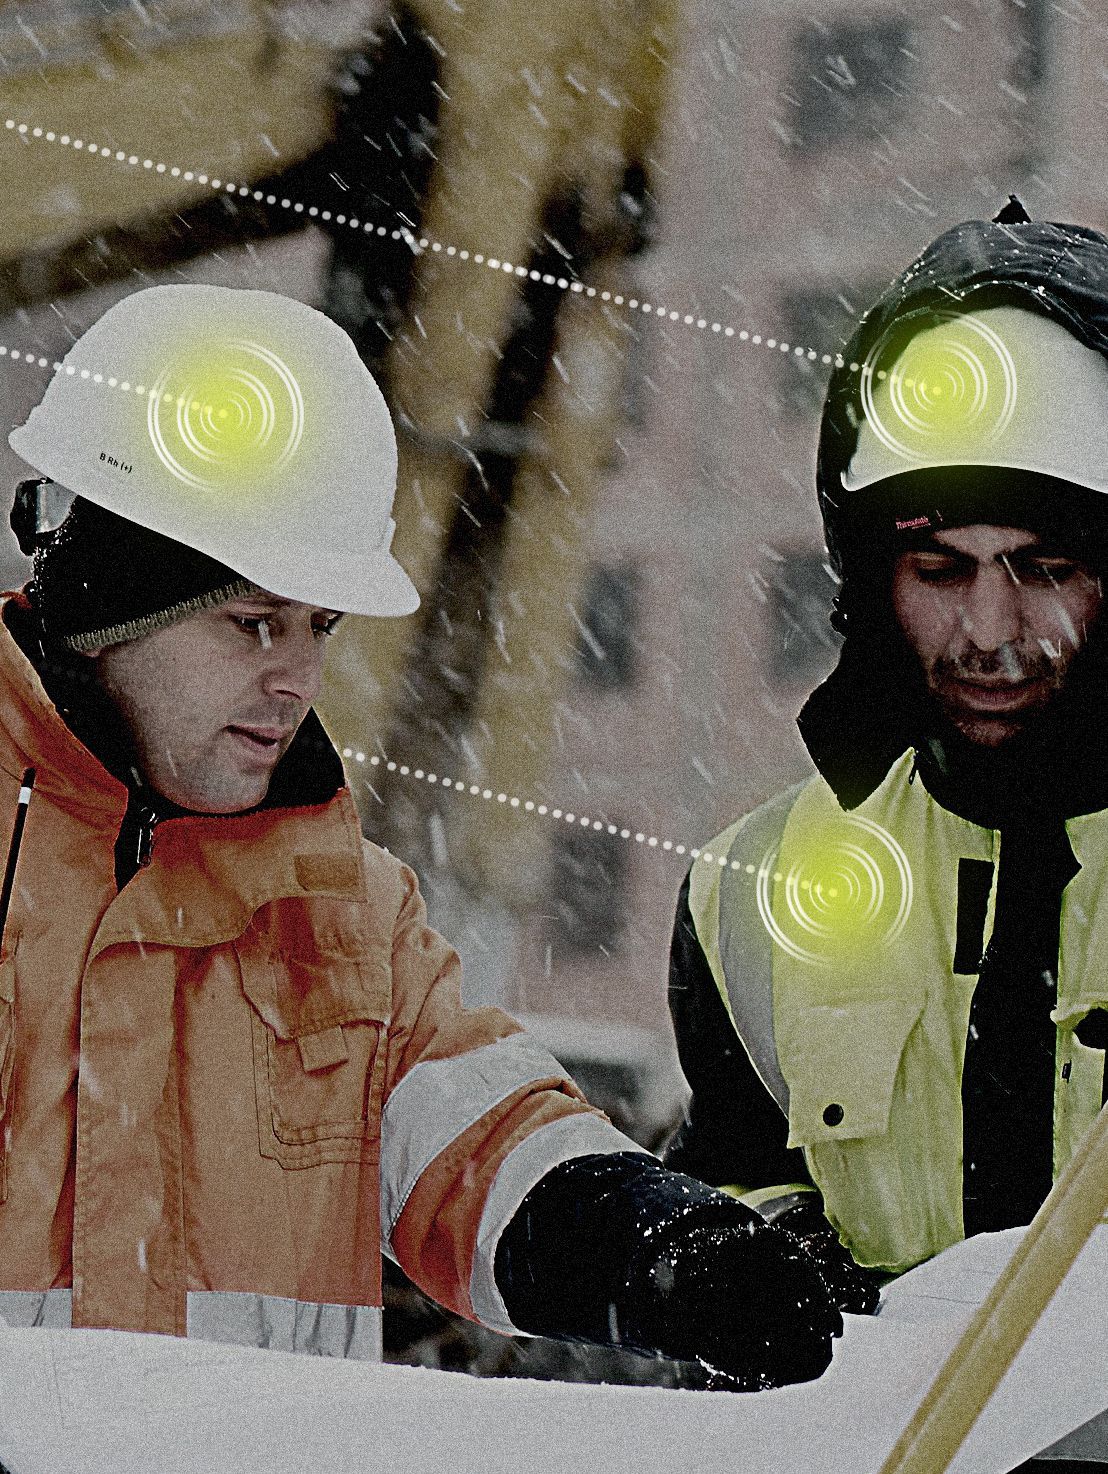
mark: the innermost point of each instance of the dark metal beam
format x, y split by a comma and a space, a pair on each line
160, 239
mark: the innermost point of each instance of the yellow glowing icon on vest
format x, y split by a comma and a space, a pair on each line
950, 394
226, 418
836, 891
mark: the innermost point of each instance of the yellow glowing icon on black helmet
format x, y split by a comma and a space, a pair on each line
839, 890
951, 392
226, 417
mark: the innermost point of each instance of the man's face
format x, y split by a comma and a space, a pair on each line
996, 616
213, 701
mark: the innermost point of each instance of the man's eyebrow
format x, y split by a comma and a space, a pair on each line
271, 601
931, 544
1042, 550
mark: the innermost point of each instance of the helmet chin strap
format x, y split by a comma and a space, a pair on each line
40, 505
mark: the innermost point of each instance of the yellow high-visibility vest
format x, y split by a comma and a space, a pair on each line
832, 937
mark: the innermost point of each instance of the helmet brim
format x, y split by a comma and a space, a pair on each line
354, 578
357, 584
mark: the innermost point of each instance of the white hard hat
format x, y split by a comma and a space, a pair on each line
240, 423
1003, 386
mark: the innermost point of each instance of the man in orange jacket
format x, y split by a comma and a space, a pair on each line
234, 1062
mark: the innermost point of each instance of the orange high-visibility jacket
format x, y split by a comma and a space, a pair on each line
224, 1088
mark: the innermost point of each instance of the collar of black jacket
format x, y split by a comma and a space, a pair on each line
310, 772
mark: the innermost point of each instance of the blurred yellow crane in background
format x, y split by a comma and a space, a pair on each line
518, 141
531, 149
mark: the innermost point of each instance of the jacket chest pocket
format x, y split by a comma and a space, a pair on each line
318, 1024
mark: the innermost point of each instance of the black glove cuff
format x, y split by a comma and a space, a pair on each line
810, 1202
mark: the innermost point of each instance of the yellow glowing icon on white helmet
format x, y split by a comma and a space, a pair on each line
950, 393
227, 417
845, 889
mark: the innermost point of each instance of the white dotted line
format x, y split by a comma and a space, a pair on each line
18, 355
584, 821
110, 381
422, 244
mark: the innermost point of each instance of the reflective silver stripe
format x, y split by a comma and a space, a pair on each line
746, 947
51, 1309
578, 1135
243, 1319
439, 1100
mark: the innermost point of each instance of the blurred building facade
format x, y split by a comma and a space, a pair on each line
807, 160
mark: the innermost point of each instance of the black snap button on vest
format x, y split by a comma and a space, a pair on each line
833, 1114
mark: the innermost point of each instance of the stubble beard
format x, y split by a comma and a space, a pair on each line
997, 731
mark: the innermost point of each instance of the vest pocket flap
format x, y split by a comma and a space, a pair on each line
321, 1051
840, 1062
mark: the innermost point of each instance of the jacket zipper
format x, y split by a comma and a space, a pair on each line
134, 844
144, 846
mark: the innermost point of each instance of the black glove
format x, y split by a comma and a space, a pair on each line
616, 1250
850, 1287
741, 1298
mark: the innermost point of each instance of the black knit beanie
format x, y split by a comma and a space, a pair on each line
100, 579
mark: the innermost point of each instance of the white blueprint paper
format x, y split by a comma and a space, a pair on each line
103, 1402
